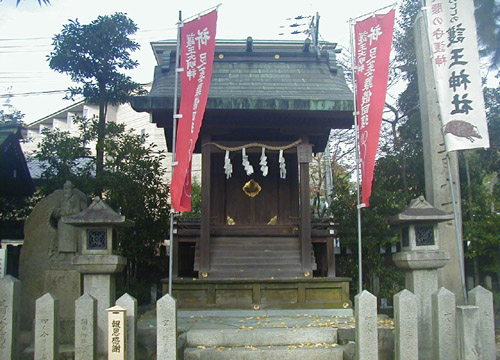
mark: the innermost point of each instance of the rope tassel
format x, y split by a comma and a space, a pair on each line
228, 167
281, 161
263, 163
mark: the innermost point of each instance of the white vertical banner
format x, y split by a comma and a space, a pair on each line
451, 28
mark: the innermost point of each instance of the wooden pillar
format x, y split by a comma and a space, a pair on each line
205, 207
304, 155
330, 249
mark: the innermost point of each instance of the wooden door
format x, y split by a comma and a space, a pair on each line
274, 201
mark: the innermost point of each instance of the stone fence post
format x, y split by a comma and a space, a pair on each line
10, 292
444, 325
469, 343
85, 328
166, 328
46, 328
129, 303
483, 299
365, 312
406, 323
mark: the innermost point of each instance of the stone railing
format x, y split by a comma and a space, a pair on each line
458, 332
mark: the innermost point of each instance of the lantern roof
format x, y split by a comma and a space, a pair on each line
98, 213
420, 210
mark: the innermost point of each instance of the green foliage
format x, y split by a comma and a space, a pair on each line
195, 200
480, 194
15, 117
94, 54
132, 182
487, 15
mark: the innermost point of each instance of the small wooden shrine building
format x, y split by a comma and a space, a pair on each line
271, 105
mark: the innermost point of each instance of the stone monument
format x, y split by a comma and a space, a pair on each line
49, 246
421, 257
97, 260
437, 183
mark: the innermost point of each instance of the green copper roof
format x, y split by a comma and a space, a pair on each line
273, 76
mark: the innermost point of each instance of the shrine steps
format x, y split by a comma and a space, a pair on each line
263, 343
238, 257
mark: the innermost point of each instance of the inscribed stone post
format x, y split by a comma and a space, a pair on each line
406, 325
129, 303
468, 333
437, 184
365, 312
444, 325
117, 333
483, 299
85, 328
10, 289
46, 328
166, 328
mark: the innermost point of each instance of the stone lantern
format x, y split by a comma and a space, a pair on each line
420, 257
97, 260
419, 236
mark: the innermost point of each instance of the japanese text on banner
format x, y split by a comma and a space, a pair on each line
373, 39
455, 60
197, 56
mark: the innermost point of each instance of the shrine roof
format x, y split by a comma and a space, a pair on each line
261, 75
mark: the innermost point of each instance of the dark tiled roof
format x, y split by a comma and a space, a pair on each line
279, 77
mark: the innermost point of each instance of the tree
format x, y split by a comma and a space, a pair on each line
132, 183
93, 55
487, 15
14, 117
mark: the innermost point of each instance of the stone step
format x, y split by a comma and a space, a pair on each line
236, 260
255, 240
261, 336
292, 352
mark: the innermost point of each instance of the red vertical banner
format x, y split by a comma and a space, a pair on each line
197, 57
373, 38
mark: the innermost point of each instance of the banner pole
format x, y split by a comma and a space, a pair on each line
174, 134
356, 131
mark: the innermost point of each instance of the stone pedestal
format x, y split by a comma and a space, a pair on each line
422, 279
99, 282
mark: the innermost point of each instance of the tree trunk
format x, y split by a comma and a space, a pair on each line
101, 134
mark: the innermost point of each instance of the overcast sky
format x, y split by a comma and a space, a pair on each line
26, 32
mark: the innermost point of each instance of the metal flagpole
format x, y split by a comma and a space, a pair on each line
355, 113
174, 134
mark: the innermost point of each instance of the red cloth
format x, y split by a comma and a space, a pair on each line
373, 38
197, 57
